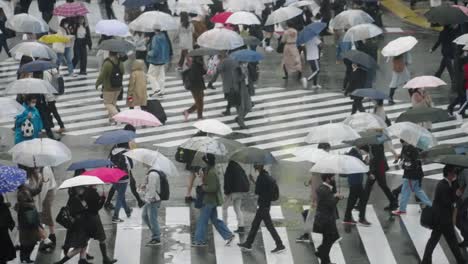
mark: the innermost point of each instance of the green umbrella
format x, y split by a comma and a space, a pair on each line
455, 160
368, 138
423, 114
251, 155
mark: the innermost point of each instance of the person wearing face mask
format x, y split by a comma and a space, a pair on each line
444, 200
28, 125
356, 80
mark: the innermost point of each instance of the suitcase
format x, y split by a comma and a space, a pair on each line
154, 107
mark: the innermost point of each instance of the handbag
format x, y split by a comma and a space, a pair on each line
65, 218
427, 217
199, 197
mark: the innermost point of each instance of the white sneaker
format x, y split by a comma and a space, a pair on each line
318, 86
269, 49
313, 87
304, 82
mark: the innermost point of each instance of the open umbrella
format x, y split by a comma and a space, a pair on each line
154, 159
251, 41
362, 32
220, 39
369, 138
30, 86
461, 40
455, 160
9, 107
137, 117
399, 46
37, 66
444, 149
228, 144
71, 9
243, 18
247, 55
309, 32
282, 14
115, 137
446, 15
309, 153
107, 175
54, 38
350, 18
90, 164
34, 50
331, 133
364, 122
116, 45
413, 134
148, 21
189, 6
251, 155
26, 23
426, 81
11, 178
80, 181
243, 5
221, 17
213, 126
206, 145
137, 3
40, 152
203, 52
423, 114
371, 93
360, 58
339, 164
112, 27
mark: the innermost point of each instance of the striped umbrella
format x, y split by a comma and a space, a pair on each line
71, 9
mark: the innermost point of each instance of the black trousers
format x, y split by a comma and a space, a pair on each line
446, 62
47, 15
4, 44
460, 99
448, 231
80, 54
462, 218
55, 113
109, 11
25, 5
25, 251
324, 249
133, 188
263, 214
357, 105
382, 182
356, 192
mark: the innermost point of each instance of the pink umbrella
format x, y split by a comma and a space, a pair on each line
107, 175
426, 81
221, 17
137, 117
464, 9
71, 9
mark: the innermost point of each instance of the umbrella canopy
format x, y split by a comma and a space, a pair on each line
309, 3
282, 14
206, 145
251, 155
34, 50
339, 164
11, 178
362, 32
26, 23
228, 144
90, 164
247, 55
154, 159
360, 58
365, 121
40, 152
243, 18
54, 38
444, 149
464, 9
399, 46
220, 39
30, 86
81, 181
413, 134
331, 133
107, 175
71, 9
189, 6
203, 52
221, 17
251, 41
455, 160
461, 40
243, 5
426, 81
446, 15
116, 45
137, 117
310, 31
370, 93
9, 107
37, 65
369, 138
309, 153
137, 3
112, 27
115, 137
148, 21
350, 18
213, 126
423, 114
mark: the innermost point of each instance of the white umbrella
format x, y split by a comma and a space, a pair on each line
313, 6
243, 5
350, 18
154, 159
148, 21
425, 81
205, 145
413, 134
9, 107
399, 46
310, 153
362, 32
339, 164
33, 49
282, 14
30, 86
26, 23
461, 40
112, 27
40, 152
189, 8
243, 18
331, 133
220, 39
81, 180
6, 8
213, 126
365, 121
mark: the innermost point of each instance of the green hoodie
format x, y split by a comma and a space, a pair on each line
212, 188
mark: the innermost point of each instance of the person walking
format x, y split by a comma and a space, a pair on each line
157, 57
46, 7
184, 37
109, 11
236, 184
3, 33
195, 83
445, 40
212, 198
28, 124
400, 73
44, 201
82, 40
51, 99
152, 189
420, 98
444, 198
357, 79
137, 91
64, 50
291, 61
24, 6
264, 188
312, 48
462, 207
8, 251
141, 41
228, 68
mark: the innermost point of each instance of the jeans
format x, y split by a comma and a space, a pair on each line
236, 200
412, 186
263, 214
67, 57
208, 212
121, 188
150, 217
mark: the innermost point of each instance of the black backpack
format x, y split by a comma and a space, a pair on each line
120, 160
116, 77
274, 190
164, 192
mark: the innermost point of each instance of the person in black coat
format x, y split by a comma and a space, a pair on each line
8, 251
194, 82
236, 184
356, 80
443, 205
46, 7
446, 37
3, 34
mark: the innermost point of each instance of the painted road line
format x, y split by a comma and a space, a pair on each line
227, 254
269, 243
178, 218
128, 238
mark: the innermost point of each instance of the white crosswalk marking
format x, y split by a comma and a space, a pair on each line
128, 238
227, 254
178, 218
269, 244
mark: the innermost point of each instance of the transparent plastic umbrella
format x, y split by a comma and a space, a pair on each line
243, 5
331, 133
40, 152
413, 134
243, 18
461, 40
362, 32
26, 23
365, 121
30, 86
310, 153
350, 18
426, 81
220, 39
339, 164
282, 14
147, 21
213, 126
153, 159
399, 46
112, 27
33, 49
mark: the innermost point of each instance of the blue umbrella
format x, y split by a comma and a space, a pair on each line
310, 32
247, 55
370, 93
38, 65
11, 178
115, 137
137, 3
89, 164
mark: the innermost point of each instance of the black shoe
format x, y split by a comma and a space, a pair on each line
463, 244
141, 204
391, 207
391, 102
108, 260
109, 206
27, 260
153, 243
364, 222
84, 261
240, 123
240, 229
117, 220
129, 214
89, 257
244, 247
225, 113
278, 249
188, 199
304, 238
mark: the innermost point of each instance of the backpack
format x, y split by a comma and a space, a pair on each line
116, 77
274, 190
119, 160
58, 83
164, 191
27, 129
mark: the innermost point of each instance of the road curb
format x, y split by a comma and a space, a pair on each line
401, 10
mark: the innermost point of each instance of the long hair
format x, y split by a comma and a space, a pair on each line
184, 19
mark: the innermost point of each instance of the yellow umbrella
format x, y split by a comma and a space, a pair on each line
54, 38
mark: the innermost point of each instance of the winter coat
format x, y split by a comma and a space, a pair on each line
104, 77
94, 203
263, 188
193, 79
412, 166
444, 198
377, 161
212, 188
291, 57
35, 121
137, 90
28, 235
357, 80
158, 51
446, 38
229, 70
235, 179
325, 215
46, 5
8, 251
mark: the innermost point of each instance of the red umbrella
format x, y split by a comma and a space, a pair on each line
71, 9
221, 17
107, 175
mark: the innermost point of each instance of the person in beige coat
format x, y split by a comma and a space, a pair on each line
137, 95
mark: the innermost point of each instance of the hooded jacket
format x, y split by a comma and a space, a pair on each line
137, 91
35, 120
159, 51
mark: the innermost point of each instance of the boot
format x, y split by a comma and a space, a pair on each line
105, 258
391, 94
63, 260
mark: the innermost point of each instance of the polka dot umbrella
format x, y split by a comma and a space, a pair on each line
10, 178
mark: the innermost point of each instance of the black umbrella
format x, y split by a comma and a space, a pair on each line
116, 45
253, 155
370, 93
361, 58
423, 114
203, 52
368, 138
455, 160
444, 149
446, 15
